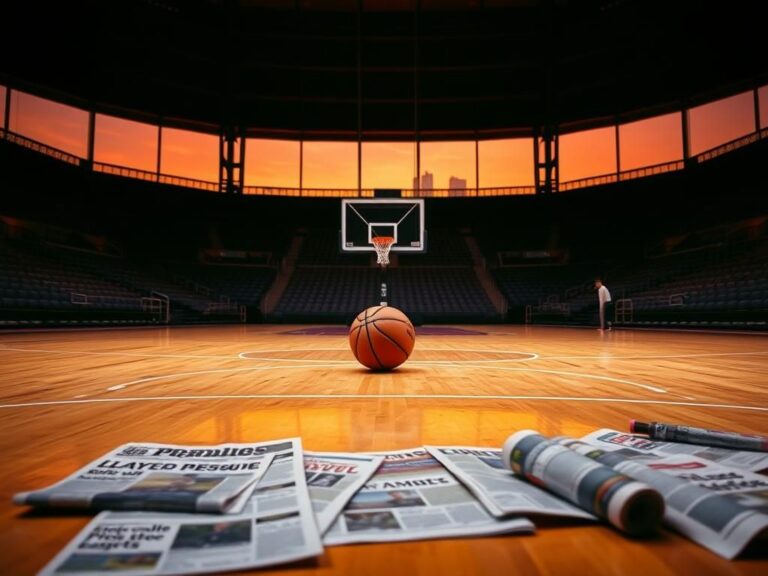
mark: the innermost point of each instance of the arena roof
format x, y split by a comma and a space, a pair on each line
386, 68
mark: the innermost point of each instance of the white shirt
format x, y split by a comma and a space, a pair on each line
603, 295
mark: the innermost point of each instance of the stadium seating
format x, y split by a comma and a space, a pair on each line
720, 285
439, 286
58, 285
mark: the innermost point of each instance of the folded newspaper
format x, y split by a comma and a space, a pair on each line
483, 473
167, 477
723, 509
631, 506
276, 526
412, 496
333, 479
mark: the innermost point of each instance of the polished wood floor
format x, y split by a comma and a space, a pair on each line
68, 396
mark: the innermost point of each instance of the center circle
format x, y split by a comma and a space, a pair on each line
419, 355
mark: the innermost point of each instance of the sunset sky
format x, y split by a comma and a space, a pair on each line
126, 143
276, 163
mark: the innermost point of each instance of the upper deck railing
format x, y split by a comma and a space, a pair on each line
193, 183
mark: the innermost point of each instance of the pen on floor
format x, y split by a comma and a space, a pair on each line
703, 436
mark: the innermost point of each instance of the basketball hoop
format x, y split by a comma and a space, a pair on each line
382, 244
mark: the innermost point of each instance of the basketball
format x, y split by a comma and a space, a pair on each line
381, 337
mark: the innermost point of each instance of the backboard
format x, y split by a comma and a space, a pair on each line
364, 219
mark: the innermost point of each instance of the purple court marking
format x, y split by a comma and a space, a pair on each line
420, 331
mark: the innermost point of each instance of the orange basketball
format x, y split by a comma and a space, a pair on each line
381, 337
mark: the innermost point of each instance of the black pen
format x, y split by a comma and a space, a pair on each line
691, 435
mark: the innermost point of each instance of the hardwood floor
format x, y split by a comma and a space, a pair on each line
68, 396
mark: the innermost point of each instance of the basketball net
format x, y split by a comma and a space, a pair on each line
382, 244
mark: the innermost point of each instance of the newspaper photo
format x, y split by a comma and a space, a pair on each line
411, 497
483, 473
276, 526
629, 505
162, 477
333, 478
722, 509
747, 460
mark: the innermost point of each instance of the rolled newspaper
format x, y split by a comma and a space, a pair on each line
630, 506
723, 522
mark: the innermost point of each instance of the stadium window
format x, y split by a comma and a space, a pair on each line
506, 163
762, 96
587, 154
3, 92
330, 165
56, 125
651, 141
126, 143
716, 123
389, 165
190, 154
451, 164
272, 163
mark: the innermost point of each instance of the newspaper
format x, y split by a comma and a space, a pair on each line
276, 526
753, 461
722, 509
631, 506
483, 473
333, 478
412, 496
163, 477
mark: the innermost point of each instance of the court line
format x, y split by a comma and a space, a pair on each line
347, 364
530, 355
332, 364
242, 355
382, 396
701, 355
88, 353
713, 331
215, 371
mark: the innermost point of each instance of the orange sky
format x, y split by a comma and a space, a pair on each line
126, 143
713, 124
652, 141
588, 153
57, 125
389, 164
385, 164
330, 165
506, 163
272, 163
190, 154
446, 159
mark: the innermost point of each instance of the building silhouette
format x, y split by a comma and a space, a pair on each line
427, 182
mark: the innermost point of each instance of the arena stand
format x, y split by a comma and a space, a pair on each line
108, 242
439, 286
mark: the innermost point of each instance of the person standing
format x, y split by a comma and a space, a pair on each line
604, 303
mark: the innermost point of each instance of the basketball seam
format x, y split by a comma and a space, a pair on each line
357, 342
393, 320
380, 308
370, 343
388, 337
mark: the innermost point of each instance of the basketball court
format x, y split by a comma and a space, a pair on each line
323, 229
70, 392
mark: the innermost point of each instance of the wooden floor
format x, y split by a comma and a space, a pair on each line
66, 397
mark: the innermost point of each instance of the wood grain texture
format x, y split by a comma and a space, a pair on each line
68, 396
